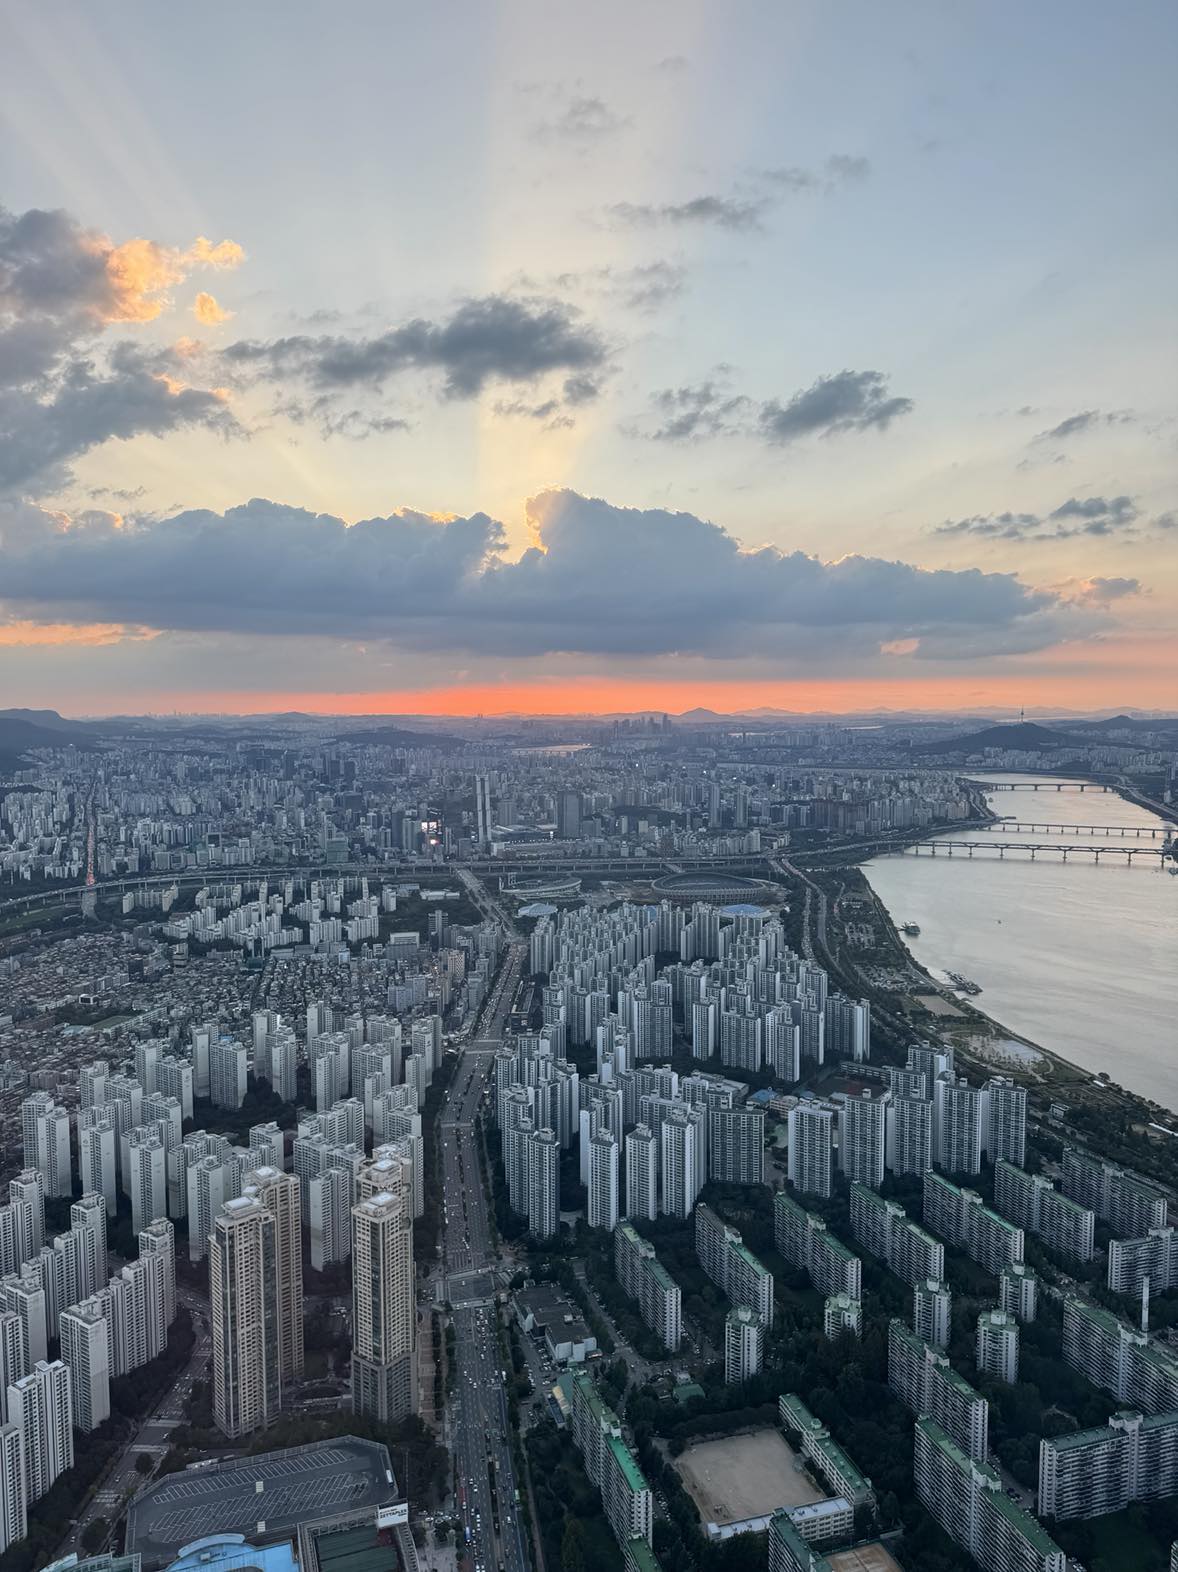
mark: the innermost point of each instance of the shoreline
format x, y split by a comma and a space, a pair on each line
1044, 1067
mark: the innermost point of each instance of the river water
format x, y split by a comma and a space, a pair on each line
1079, 957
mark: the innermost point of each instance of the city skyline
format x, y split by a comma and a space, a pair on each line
563, 378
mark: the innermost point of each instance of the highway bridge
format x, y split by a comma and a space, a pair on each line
1036, 827
1062, 849
1041, 785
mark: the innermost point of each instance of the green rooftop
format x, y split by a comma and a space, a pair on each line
640, 1557
627, 1463
355, 1550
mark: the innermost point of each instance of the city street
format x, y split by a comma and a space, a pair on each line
485, 1486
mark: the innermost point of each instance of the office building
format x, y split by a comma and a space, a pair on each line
968, 1500
997, 1346
810, 1150
932, 1312
642, 1276
384, 1352
744, 1344
41, 1406
245, 1295
1090, 1473
85, 1350
603, 1181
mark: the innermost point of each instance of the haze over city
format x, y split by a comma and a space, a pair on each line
588, 787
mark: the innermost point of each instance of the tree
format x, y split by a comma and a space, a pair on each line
143, 1463
94, 1535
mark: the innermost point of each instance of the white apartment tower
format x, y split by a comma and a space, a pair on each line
41, 1405
245, 1294
809, 1158
384, 1375
85, 1350
642, 1173
603, 1181
744, 1344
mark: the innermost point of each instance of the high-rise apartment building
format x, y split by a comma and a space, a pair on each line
85, 1350
642, 1173
542, 1155
227, 1073
862, 1137
957, 1125
810, 1151
96, 1155
997, 1345
805, 1242
147, 1176
45, 1128
1089, 1473
731, 1266
744, 1344
13, 1514
329, 1216
643, 1277
967, 1499
384, 1374
280, 1194
736, 1145
41, 1406
245, 1294
1004, 1115
603, 1181
1133, 1367
926, 1383
932, 1312
159, 1238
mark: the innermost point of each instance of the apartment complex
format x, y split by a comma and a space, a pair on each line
960, 1217
885, 1231
1093, 1472
733, 1268
1033, 1202
805, 1242
641, 1275
925, 1382
609, 1463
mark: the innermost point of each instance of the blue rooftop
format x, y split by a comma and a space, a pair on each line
232, 1553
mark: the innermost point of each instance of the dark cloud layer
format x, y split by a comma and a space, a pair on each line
493, 338
845, 401
1091, 516
601, 580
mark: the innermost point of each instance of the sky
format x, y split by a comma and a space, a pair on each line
535, 356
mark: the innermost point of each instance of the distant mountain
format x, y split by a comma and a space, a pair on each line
395, 737
18, 735
1017, 737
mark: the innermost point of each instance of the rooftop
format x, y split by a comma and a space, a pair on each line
267, 1497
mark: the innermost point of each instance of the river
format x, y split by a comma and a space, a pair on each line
1079, 957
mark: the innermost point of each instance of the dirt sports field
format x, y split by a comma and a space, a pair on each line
865, 1558
745, 1476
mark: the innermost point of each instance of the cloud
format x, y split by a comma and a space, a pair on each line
671, 64
645, 287
1091, 516
719, 212
64, 387
207, 312
582, 122
846, 401
421, 585
701, 409
839, 169
1098, 591
333, 421
495, 338
1085, 420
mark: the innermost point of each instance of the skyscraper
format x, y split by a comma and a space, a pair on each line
482, 809
245, 1295
281, 1195
384, 1373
